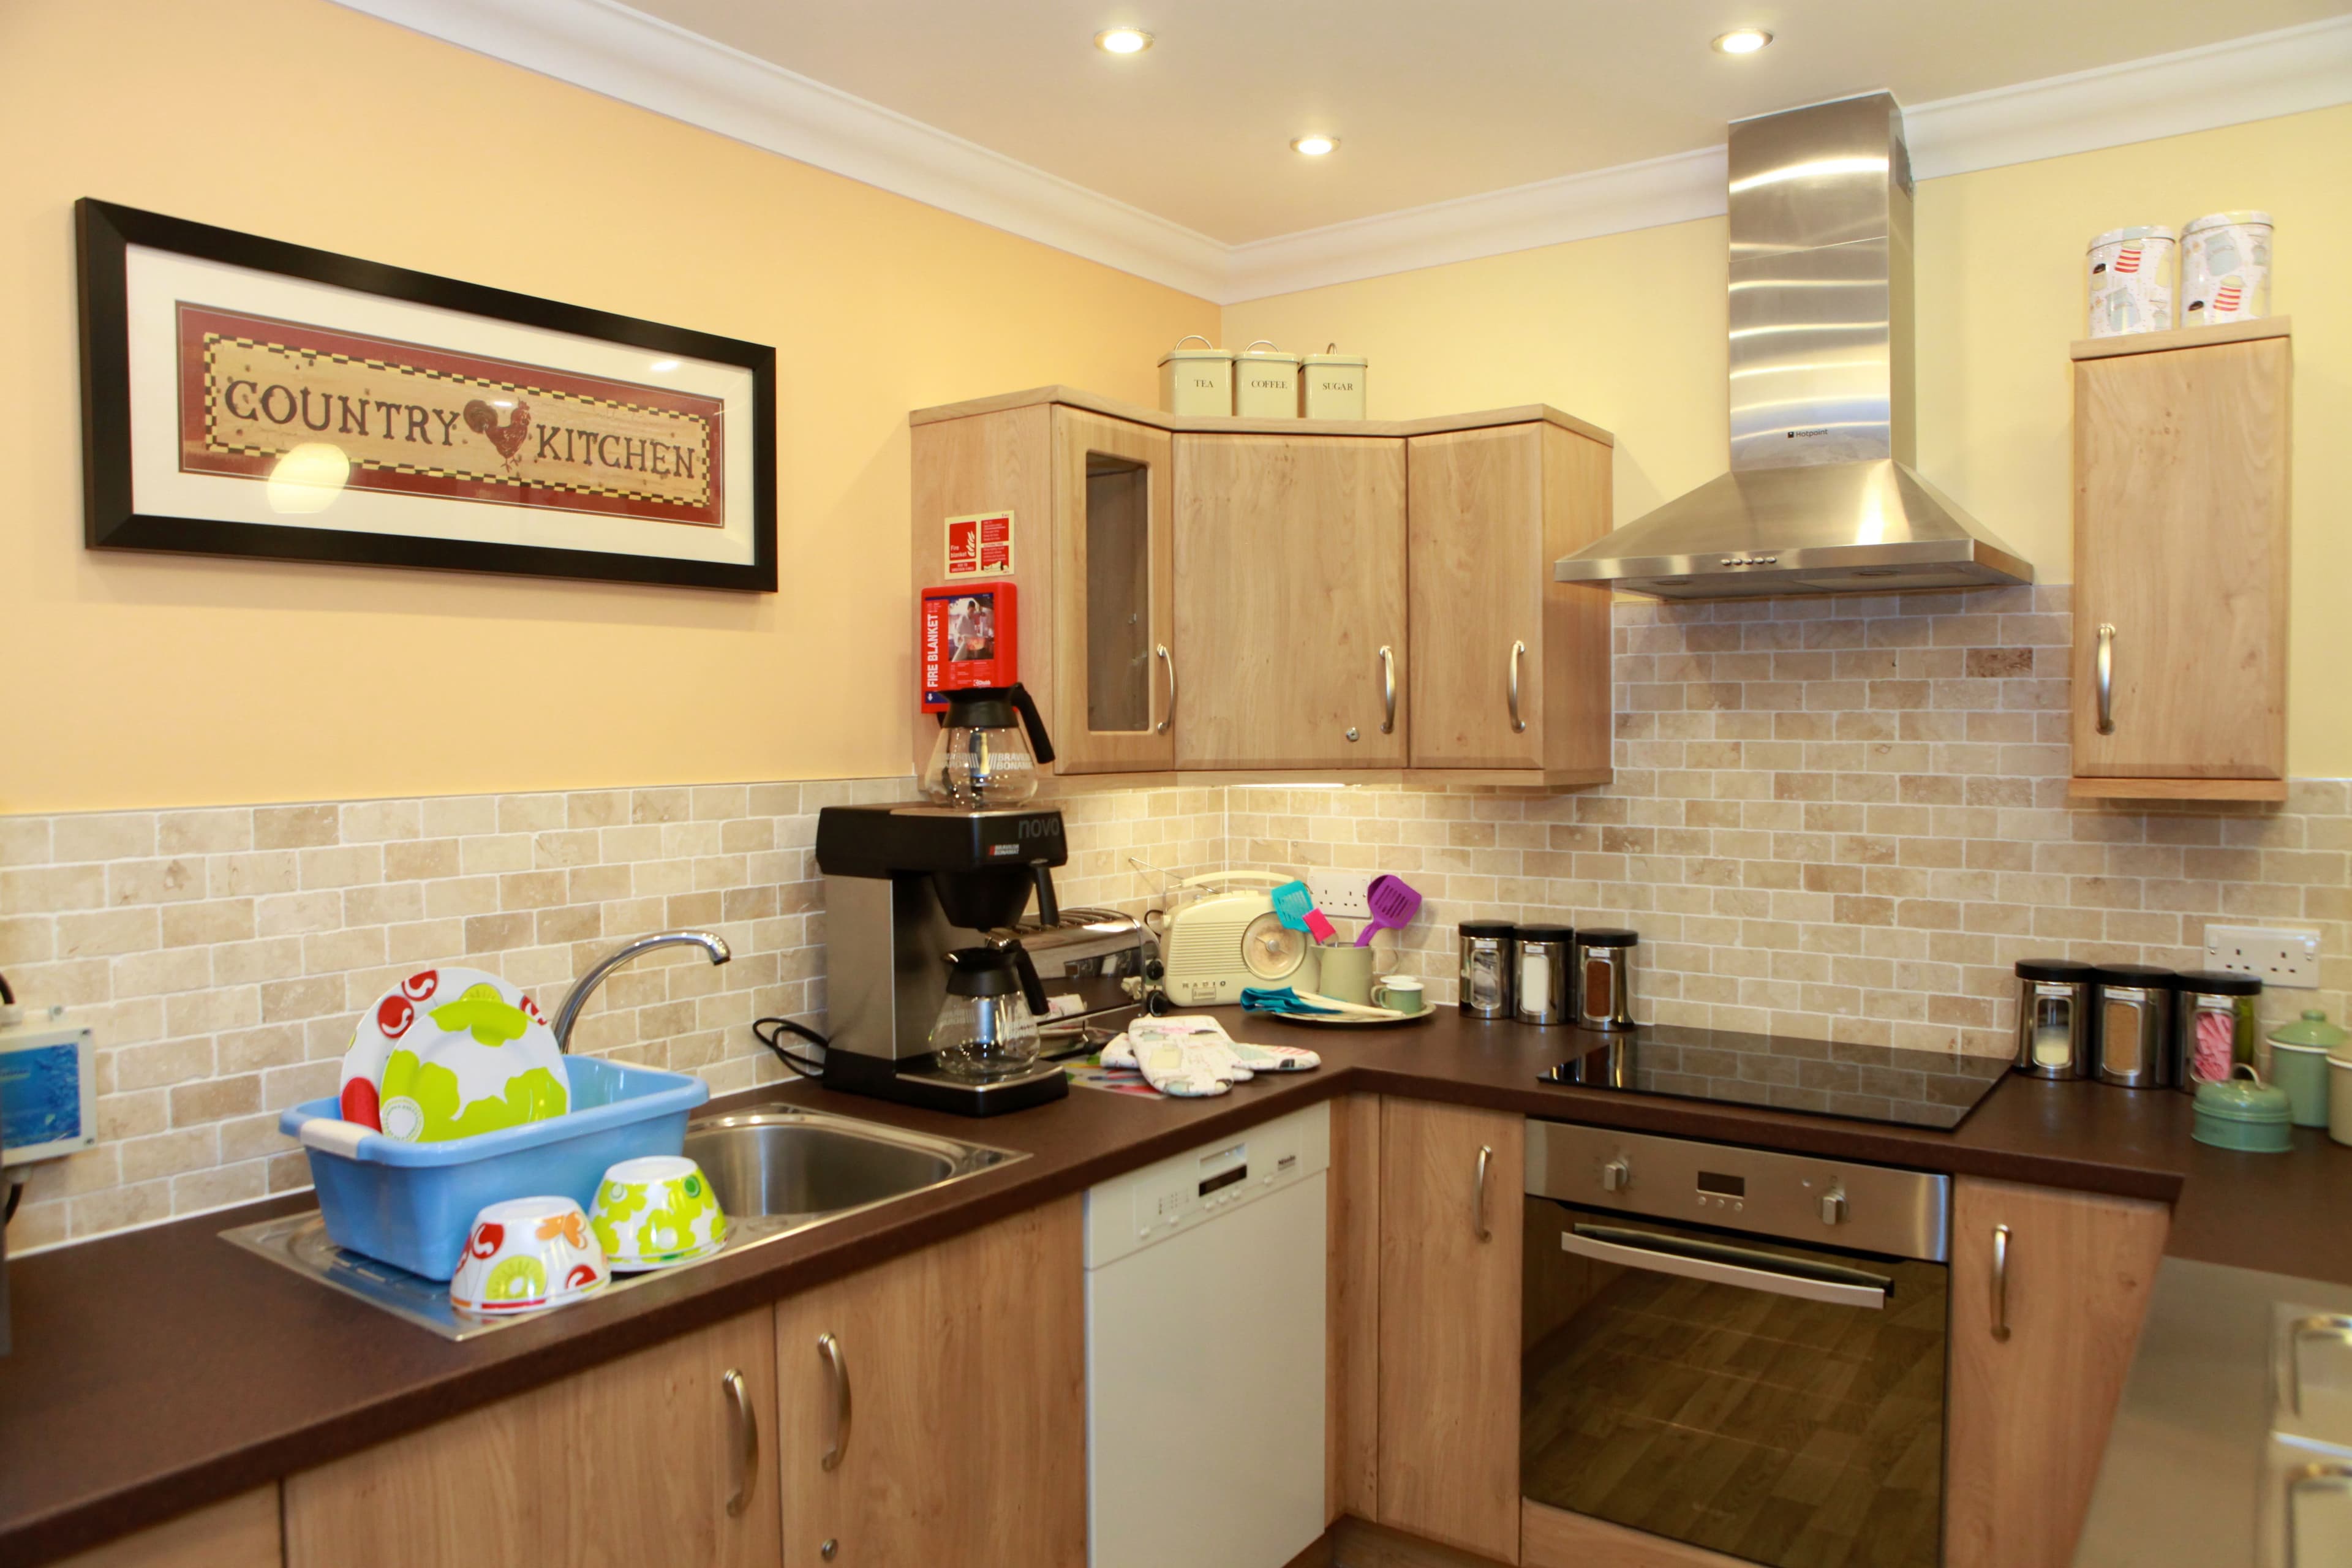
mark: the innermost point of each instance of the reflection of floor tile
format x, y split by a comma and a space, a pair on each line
1780, 1431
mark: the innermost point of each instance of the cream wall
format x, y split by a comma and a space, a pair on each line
1628, 331
152, 680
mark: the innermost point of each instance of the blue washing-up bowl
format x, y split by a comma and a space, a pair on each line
412, 1204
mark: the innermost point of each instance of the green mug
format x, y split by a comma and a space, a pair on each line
1399, 993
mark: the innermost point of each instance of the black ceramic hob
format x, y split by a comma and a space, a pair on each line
1862, 1083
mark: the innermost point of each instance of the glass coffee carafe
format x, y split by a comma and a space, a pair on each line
990, 743
987, 1028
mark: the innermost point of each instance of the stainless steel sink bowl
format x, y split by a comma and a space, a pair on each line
782, 1163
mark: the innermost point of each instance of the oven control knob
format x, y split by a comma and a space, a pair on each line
1834, 1208
1615, 1175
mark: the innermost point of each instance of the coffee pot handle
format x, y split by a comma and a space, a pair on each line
1033, 989
1040, 744
1049, 908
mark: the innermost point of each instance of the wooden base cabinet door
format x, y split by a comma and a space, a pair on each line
1510, 669
934, 1407
1452, 1185
2181, 563
652, 1459
1290, 601
2049, 1289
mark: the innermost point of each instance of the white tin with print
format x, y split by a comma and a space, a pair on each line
2225, 269
2131, 280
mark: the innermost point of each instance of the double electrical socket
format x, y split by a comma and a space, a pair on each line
1342, 895
2283, 957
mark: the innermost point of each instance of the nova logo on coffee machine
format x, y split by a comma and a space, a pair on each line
261, 399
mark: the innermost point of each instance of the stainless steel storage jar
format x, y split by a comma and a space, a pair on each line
1604, 978
1489, 962
1547, 974
2054, 1033
2135, 1024
2213, 1025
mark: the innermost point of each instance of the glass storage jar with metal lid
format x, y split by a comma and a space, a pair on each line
2055, 1037
2213, 1025
1604, 978
1547, 990
2135, 1024
1489, 959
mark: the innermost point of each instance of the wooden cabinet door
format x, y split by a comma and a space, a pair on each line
241, 1533
961, 1372
1449, 1324
2068, 1275
1114, 595
2181, 545
1510, 669
649, 1459
1290, 556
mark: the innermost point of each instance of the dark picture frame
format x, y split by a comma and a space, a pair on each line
111, 520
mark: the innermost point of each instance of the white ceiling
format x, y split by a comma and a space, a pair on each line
1431, 101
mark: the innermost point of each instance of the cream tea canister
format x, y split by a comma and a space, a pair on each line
1196, 381
1265, 383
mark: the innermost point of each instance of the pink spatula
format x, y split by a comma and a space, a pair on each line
1393, 904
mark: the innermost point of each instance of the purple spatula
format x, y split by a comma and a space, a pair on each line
1393, 902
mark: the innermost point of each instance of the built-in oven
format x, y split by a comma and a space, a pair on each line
1739, 1349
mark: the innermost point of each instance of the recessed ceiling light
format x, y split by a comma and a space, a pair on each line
1314, 146
663, 366
1744, 41
1122, 40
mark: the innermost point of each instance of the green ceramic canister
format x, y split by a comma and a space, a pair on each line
2299, 1053
2243, 1113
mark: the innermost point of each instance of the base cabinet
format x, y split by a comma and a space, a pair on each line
1451, 1191
241, 1533
2049, 1289
933, 1408
651, 1459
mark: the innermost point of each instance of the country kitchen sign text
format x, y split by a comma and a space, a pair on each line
424, 421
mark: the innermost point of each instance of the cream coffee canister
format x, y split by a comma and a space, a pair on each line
1196, 381
1333, 385
1265, 383
2225, 269
2131, 280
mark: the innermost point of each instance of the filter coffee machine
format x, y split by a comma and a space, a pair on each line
904, 887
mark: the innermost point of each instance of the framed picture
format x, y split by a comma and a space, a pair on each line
243, 396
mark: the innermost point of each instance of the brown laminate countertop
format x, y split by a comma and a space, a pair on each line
162, 1369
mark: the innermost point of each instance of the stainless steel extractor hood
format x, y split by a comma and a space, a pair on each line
1821, 496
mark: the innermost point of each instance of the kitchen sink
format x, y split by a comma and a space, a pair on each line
778, 1169
783, 1163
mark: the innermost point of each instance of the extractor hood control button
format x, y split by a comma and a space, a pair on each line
1834, 1207
1615, 1176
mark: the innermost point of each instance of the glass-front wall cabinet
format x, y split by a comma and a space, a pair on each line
1116, 665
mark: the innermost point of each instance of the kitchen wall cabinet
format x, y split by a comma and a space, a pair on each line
652, 1458
934, 1407
2181, 452
1509, 668
1089, 497
2048, 1292
1450, 1194
241, 1533
1212, 596
1290, 601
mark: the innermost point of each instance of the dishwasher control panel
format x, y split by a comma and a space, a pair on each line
1137, 1210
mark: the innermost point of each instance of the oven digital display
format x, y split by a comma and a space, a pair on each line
1224, 1179
1722, 1186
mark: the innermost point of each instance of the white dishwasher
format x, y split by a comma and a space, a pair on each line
1204, 1352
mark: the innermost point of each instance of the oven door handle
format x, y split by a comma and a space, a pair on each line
1755, 1272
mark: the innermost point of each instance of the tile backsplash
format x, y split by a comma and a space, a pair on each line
1836, 818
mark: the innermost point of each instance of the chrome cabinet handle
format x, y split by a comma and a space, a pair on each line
1388, 689
2287, 1370
1478, 1194
1168, 664
2319, 1473
1519, 652
742, 1443
2106, 679
828, 1350
2000, 1283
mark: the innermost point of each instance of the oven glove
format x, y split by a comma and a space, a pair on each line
1274, 1058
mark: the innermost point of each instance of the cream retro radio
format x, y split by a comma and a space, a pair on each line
1230, 937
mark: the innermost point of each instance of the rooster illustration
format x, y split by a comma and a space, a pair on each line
507, 438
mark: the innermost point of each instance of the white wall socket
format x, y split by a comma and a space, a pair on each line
1342, 895
2284, 957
